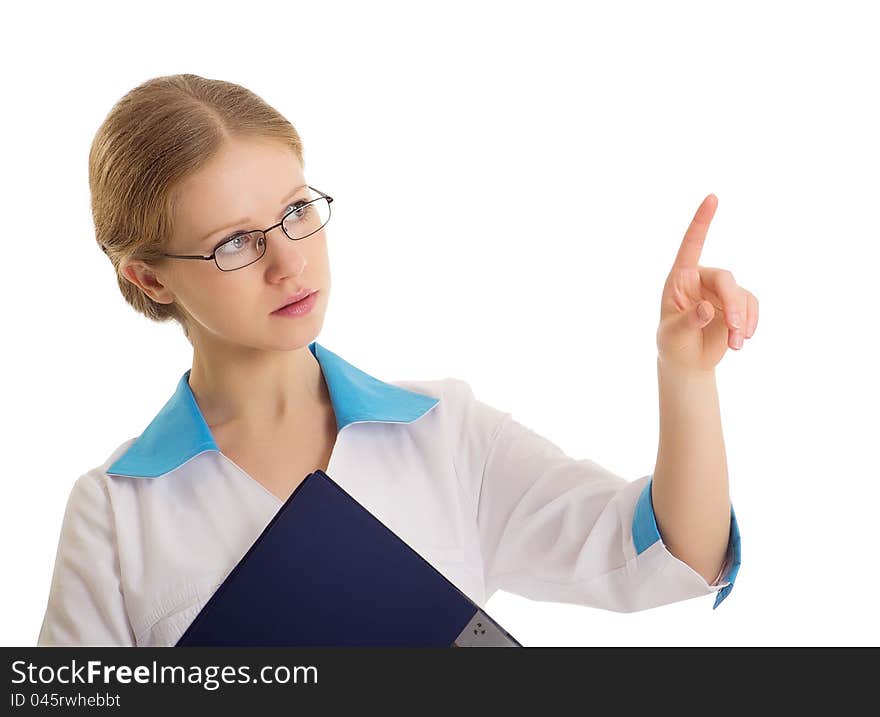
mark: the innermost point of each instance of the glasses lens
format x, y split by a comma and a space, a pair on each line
241, 250
308, 218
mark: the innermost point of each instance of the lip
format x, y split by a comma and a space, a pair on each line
296, 297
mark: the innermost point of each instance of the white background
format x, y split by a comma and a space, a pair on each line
512, 183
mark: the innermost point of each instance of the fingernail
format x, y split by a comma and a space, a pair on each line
702, 313
737, 340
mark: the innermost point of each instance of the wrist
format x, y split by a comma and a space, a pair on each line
671, 368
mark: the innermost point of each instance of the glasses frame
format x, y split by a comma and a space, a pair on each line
213, 255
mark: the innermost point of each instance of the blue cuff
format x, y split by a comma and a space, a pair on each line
645, 534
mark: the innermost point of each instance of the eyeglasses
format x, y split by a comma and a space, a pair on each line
244, 248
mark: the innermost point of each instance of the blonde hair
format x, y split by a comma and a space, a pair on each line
153, 138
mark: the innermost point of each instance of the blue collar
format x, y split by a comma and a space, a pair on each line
179, 431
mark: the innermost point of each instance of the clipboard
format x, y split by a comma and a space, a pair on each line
326, 572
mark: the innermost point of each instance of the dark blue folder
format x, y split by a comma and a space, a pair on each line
326, 572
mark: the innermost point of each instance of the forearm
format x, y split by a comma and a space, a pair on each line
690, 490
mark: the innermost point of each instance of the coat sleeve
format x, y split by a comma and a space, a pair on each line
86, 605
558, 529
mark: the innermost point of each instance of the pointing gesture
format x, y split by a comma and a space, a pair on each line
702, 311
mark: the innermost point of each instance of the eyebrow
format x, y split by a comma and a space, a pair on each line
247, 220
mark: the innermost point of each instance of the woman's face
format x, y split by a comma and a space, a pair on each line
248, 185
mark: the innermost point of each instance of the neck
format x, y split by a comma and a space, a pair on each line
260, 389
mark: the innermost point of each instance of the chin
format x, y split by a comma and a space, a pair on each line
299, 334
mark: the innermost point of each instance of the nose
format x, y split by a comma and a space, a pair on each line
283, 253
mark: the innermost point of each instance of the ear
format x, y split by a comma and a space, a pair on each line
147, 280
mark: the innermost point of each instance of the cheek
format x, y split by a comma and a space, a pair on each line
218, 301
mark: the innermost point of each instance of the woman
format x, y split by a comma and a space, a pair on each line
200, 201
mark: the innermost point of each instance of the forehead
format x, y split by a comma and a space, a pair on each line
245, 178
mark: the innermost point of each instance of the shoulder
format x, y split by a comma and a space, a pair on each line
115, 454
448, 388
88, 513
456, 397
93, 488
453, 390
469, 419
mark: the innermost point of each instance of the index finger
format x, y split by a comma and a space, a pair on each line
692, 245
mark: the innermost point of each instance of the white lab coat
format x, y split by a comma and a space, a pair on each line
150, 534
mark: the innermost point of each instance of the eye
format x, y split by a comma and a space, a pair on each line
293, 206
288, 213
235, 243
